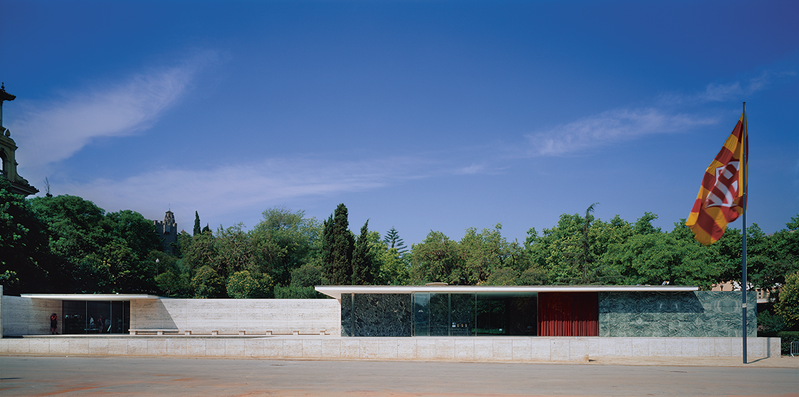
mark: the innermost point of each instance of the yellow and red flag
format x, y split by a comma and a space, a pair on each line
721, 197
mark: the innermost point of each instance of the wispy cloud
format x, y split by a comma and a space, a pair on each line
608, 127
722, 92
243, 188
631, 123
59, 128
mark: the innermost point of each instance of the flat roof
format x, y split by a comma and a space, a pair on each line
335, 291
91, 297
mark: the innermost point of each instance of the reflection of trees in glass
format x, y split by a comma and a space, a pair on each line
439, 314
491, 316
462, 314
421, 314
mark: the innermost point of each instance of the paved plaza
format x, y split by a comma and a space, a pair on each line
73, 376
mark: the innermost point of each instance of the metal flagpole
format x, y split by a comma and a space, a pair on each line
743, 255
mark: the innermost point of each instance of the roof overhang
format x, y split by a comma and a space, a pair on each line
91, 297
335, 291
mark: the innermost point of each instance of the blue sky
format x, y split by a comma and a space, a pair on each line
421, 115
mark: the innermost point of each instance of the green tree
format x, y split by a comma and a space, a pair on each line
285, 240
436, 259
200, 251
243, 285
24, 245
307, 275
363, 272
502, 276
392, 267
207, 283
337, 247
98, 252
482, 254
787, 306
393, 240
197, 229
235, 251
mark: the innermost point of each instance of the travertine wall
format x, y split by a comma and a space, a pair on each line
25, 316
469, 349
229, 316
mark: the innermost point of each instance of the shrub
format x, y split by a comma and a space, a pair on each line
295, 292
786, 337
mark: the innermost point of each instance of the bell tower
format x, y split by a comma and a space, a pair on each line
8, 148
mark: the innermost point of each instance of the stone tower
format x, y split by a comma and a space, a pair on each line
8, 148
168, 231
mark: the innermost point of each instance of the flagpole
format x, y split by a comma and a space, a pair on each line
743, 252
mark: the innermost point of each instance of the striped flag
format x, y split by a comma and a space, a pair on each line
721, 196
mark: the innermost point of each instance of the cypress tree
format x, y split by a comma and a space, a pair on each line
362, 262
197, 229
337, 246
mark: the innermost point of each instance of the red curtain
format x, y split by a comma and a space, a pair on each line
568, 314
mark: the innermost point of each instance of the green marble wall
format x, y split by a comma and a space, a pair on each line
675, 314
376, 315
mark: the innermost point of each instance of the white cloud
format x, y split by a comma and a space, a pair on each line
608, 127
244, 188
59, 128
471, 169
721, 92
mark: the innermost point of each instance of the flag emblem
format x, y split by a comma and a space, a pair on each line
721, 196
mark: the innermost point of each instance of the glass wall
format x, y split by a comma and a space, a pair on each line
96, 317
492, 314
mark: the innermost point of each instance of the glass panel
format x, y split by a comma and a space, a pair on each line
84, 317
421, 314
461, 314
491, 315
439, 315
119, 322
74, 317
98, 316
522, 311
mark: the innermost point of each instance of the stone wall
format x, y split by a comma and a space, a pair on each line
675, 314
230, 316
467, 349
376, 315
25, 316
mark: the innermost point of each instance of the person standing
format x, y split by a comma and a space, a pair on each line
53, 324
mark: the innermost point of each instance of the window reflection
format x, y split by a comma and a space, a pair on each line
96, 317
449, 314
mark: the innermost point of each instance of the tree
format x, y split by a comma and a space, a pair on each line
25, 265
393, 240
200, 251
363, 272
436, 259
337, 247
197, 229
502, 276
284, 241
482, 254
207, 283
235, 251
243, 285
307, 275
787, 306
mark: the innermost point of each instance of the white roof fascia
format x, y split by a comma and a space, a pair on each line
335, 291
91, 297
